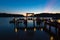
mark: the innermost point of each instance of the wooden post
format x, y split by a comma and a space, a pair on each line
59, 33
32, 17
44, 25
49, 25
49, 28
26, 19
14, 22
33, 20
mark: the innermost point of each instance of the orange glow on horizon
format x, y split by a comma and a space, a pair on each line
40, 12
24, 14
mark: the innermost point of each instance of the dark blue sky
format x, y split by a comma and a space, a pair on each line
24, 6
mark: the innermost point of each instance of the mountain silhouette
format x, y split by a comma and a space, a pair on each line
47, 15
10, 15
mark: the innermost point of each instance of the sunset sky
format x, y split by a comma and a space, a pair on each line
32, 6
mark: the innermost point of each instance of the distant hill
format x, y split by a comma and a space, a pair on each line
47, 15
10, 15
57, 15
54, 16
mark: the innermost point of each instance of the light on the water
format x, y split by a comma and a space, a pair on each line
51, 38
58, 20
41, 29
25, 29
16, 30
34, 29
52, 20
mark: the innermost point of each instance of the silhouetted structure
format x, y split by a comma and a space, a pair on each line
53, 23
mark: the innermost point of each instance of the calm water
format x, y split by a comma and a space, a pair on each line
7, 31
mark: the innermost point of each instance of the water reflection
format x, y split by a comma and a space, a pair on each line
34, 29
51, 38
58, 20
28, 33
31, 33
41, 29
16, 30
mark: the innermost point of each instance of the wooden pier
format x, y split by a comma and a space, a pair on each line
51, 23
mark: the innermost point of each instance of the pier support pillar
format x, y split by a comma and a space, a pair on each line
49, 28
33, 22
58, 33
28, 15
45, 25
